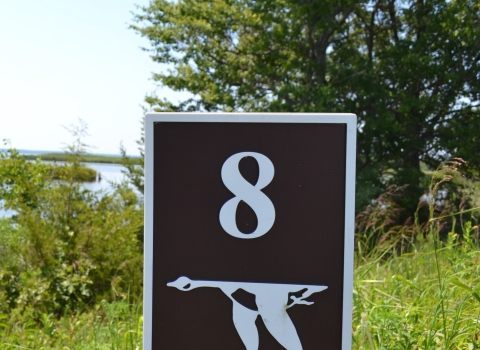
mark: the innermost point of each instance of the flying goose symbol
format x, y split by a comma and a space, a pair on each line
272, 303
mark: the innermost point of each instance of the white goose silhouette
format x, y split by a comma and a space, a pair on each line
272, 303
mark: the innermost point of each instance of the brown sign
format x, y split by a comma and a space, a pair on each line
248, 229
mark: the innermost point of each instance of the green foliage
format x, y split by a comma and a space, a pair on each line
423, 87
409, 70
66, 247
80, 173
108, 326
247, 55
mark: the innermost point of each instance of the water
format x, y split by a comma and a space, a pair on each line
106, 174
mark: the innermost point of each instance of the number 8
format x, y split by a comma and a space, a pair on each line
243, 190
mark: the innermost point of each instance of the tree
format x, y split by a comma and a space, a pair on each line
423, 93
247, 55
408, 69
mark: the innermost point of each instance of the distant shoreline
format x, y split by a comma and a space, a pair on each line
88, 158
64, 157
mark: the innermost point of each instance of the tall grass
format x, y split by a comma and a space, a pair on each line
426, 297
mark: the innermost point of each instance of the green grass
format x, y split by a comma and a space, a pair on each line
425, 299
87, 158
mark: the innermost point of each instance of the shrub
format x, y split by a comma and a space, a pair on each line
70, 247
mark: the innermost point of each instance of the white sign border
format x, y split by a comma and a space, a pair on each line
324, 118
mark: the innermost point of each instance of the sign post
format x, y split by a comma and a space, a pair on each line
249, 223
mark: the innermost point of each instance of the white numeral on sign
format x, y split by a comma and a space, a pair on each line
244, 191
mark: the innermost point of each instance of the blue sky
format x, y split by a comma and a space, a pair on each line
61, 60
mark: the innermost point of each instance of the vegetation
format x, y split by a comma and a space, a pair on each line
57, 171
69, 257
427, 298
65, 172
117, 325
70, 266
414, 289
134, 171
